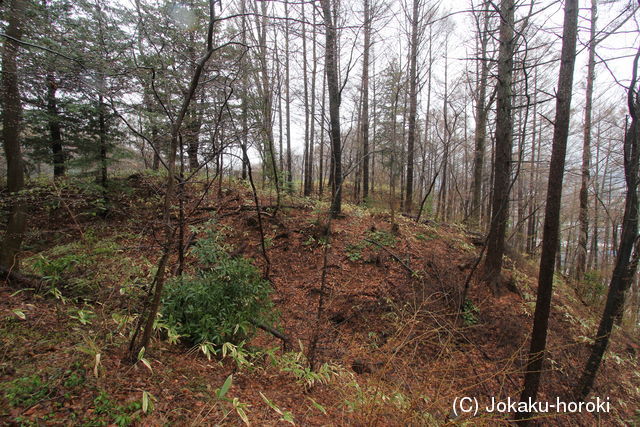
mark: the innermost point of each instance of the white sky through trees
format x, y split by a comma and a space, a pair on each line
453, 27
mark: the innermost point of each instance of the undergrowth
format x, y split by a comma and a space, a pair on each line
82, 268
222, 301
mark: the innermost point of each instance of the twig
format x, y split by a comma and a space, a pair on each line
276, 333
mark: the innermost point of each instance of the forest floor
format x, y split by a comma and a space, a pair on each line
391, 346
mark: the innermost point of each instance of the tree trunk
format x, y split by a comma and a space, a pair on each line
531, 221
365, 101
102, 112
626, 264
54, 127
280, 124
503, 145
413, 105
306, 187
583, 217
593, 255
372, 178
267, 105
102, 134
11, 127
333, 87
442, 201
322, 133
552, 210
288, 99
312, 113
245, 91
481, 125
193, 135
156, 152
518, 225
358, 154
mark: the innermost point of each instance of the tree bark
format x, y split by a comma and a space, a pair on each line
583, 217
312, 113
322, 134
11, 129
552, 210
333, 87
102, 112
102, 134
481, 125
442, 196
244, 111
306, 183
593, 255
156, 153
365, 101
503, 146
532, 217
626, 264
413, 104
55, 133
288, 99
194, 125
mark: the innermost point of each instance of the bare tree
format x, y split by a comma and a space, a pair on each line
306, 166
288, 97
333, 87
626, 263
266, 93
552, 210
583, 217
413, 102
365, 100
481, 115
503, 146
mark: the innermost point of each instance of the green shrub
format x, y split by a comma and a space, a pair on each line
220, 303
87, 266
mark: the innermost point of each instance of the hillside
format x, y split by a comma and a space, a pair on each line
391, 348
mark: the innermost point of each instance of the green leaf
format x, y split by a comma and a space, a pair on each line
146, 363
147, 402
22, 290
225, 387
318, 406
243, 415
271, 404
288, 417
19, 313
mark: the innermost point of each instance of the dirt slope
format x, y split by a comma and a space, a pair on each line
396, 351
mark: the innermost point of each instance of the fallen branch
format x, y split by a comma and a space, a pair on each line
276, 333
